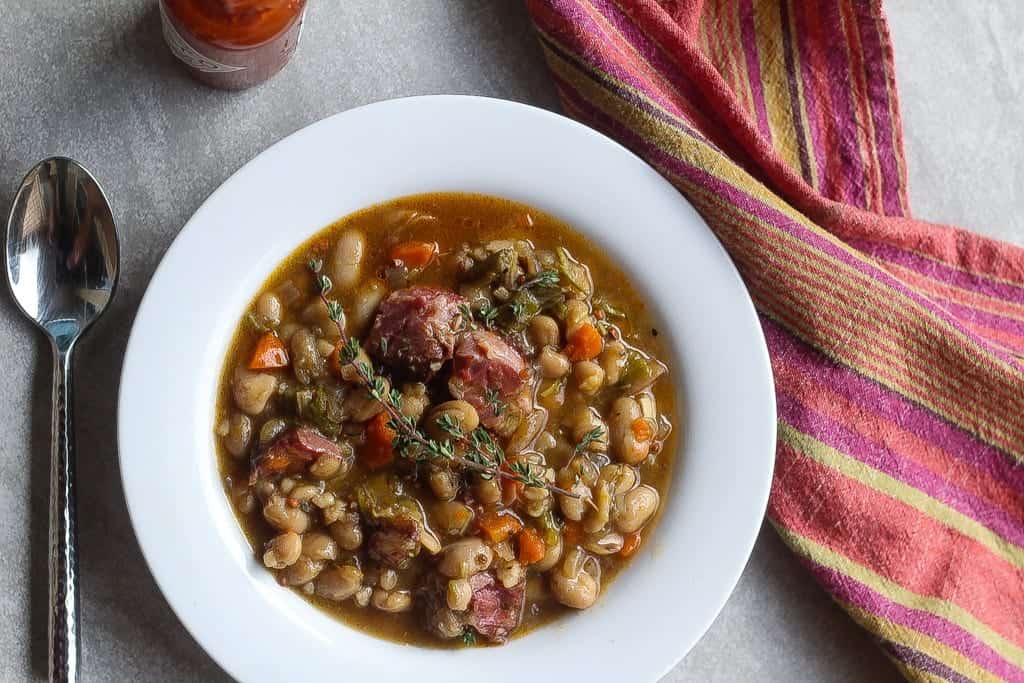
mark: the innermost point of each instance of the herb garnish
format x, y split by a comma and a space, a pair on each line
480, 452
588, 438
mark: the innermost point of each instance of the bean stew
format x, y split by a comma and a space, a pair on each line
447, 419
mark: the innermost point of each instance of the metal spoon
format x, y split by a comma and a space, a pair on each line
62, 266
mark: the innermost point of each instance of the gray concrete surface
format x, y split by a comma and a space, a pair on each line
92, 80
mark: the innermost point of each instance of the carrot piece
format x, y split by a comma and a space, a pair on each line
572, 532
630, 545
531, 546
414, 254
378, 452
269, 353
497, 527
584, 343
642, 429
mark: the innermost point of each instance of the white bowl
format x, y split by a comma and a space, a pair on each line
659, 606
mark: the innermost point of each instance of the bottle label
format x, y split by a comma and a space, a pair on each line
188, 54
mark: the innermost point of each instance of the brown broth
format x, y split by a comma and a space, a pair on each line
475, 219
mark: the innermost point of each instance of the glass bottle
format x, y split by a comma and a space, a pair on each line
232, 44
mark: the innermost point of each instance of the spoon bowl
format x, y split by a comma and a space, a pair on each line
62, 249
62, 267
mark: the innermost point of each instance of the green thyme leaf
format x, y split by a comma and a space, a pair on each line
589, 438
447, 423
334, 311
545, 278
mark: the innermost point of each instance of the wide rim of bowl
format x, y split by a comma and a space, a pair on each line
575, 175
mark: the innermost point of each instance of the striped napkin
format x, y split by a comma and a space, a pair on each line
896, 344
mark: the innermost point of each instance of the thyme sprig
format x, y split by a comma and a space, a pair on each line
588, 438
545, 278
481, 452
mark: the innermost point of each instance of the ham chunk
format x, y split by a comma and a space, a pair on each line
492, 376
292, 451
494, 611
414, 332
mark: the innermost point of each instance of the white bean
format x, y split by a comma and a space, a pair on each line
339, 583
252, 390
625, 446
621, 477
362, 596
578, 582
282, 551
585, 420
488, 491
349, 372
268, 310
510, 574
464, 558
388, 579
307, 363
330, 465
606, 544
576, 313
283, 517
317, 545
460, 412
303, 571
414, 400
635, 508
324, 500
459, 594
443, 482
332, 513
552, 363
526, 432
573, 508
236, 441
589, 377
364, 305
306, 492
394, 601
347, 532
347, 259
613, 360
544, 330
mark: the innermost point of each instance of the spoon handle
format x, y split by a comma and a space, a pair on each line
63, 558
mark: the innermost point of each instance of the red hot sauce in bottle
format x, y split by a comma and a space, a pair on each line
232, 44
